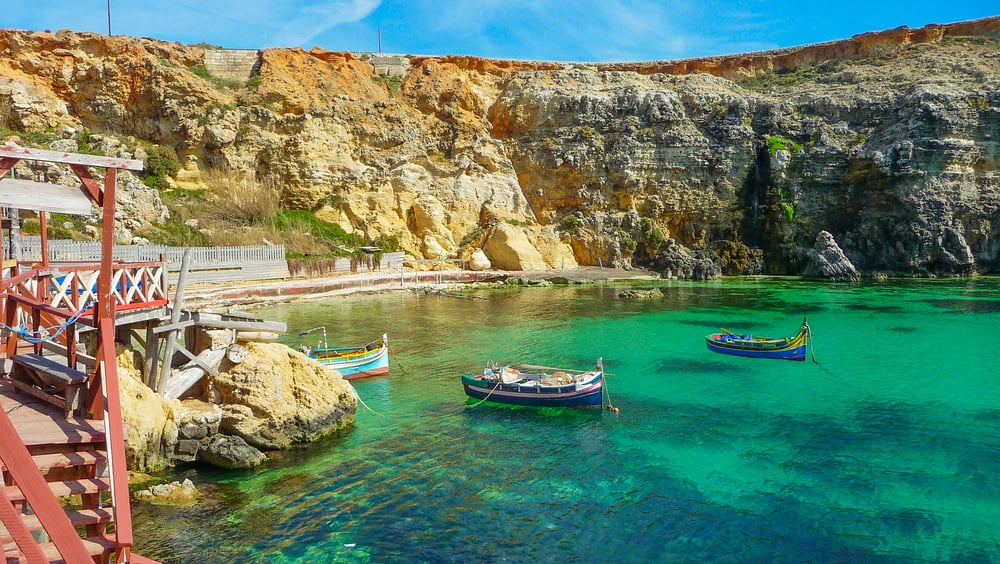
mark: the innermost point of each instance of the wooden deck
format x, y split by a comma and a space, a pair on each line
40, 423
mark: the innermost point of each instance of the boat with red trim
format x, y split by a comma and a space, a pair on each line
537, 386
364, 361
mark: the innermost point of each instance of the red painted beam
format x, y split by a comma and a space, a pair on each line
115, 433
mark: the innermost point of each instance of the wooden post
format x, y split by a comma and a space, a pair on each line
43, 226
149, 365
175, 316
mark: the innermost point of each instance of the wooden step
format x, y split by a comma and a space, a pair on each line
79, 518
95, 546
52, 460
67, 488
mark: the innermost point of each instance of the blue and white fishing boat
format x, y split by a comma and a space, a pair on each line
537, 386
364, 361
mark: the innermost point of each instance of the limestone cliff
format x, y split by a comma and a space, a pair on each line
887, 141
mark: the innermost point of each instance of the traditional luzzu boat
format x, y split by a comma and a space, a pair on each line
353, 363
537, 386
785, 348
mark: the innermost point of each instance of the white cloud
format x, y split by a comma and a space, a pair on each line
311, 20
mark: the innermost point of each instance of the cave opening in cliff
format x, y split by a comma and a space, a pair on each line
752, 197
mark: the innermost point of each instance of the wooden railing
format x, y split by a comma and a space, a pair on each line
106, 378
206, 264
73, 287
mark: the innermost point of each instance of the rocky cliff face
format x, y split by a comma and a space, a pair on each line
887, 141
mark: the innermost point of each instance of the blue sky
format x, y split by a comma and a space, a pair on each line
582, 30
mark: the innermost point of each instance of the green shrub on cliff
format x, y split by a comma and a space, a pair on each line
777, 143
162, 162
217, 81
571, 224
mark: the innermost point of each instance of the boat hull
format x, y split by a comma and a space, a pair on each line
788, 353
587, 395
354, 363
790, 348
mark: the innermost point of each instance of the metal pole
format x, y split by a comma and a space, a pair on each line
109, 17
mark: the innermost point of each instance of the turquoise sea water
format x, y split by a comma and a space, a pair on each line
887, 450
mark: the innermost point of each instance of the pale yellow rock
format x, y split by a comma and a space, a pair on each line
554, 251
508, 248
288, 396
189, 175
430, 218
478, 261
148, 418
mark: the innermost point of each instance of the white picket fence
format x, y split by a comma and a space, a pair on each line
206, 264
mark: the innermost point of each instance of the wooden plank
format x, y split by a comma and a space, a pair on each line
94, 545
82, 359
69, 459
78, 517
197, 360
174, 326
67, 488
183, 379
41, 394
52, 372
218, 321
69, 158
43, 196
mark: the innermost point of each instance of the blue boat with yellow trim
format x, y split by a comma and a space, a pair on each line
785, 348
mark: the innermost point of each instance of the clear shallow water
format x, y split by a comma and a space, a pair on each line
887, 450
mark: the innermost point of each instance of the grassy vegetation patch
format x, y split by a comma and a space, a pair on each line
777, 143
391, 83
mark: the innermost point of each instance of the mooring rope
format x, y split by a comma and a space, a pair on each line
362, 402
812, 344
392, 351
812, 349
499, 382
607, 392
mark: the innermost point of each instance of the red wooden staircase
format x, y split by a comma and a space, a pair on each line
64, 492
70, 456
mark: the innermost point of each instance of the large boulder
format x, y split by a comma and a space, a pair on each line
150, 422
278, 396
478, 260
677, 261
508, 248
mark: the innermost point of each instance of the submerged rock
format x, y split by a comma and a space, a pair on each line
641, 294
180, 494
232, 452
